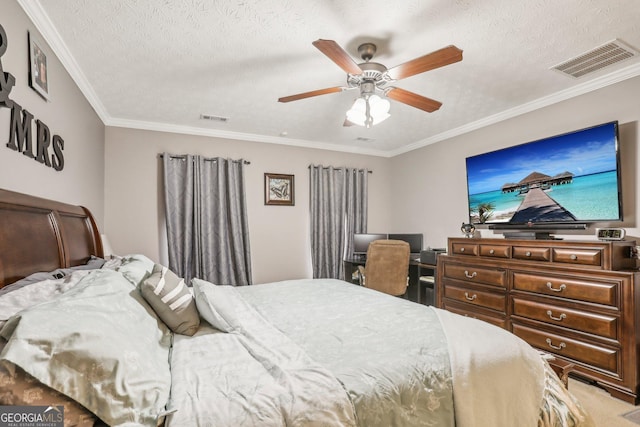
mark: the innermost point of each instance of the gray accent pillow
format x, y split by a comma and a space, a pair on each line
172, 300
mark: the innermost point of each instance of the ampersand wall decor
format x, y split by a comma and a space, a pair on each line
20, 133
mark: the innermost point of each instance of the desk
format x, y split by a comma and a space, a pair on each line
417, 291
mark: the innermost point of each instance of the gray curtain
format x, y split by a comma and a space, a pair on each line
206, 213
338, 207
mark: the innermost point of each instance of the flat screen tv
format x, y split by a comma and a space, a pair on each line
573, 178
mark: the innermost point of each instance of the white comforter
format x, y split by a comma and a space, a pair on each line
296, 353
287, 342
497, 380
250, 374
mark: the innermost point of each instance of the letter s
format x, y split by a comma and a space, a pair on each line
57, 159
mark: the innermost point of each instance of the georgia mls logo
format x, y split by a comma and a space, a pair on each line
20, 136
31, 416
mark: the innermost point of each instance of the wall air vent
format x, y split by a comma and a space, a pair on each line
213, 118
602, 56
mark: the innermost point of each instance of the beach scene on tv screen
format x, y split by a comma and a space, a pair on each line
567, 178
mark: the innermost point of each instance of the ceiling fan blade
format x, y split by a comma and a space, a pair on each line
310, 94
439, 58
335, 53
413, 99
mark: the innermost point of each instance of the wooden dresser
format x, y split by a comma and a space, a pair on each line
577, 300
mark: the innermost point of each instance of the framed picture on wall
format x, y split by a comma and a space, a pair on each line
279, 189
38, 67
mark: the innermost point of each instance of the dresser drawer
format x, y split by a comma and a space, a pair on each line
495, 251
474, 274
577, 299
582, 290
577, 256
464, 310
465, 249
489, 300
591, 323
531, 254
598, 356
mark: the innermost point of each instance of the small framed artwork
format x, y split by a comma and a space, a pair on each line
38, 70
279, 189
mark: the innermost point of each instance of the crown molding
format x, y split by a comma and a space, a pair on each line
43, 24
586, 87
216, 133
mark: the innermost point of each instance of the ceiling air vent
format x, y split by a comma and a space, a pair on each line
213, 118
363, 139
608, 54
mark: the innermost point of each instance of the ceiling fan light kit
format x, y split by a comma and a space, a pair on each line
373, 79
369, 111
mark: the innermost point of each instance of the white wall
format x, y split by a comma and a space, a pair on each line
115, 172
279, 235
68, 114
437, 203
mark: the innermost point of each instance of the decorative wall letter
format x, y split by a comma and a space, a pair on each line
20, 128
6, 79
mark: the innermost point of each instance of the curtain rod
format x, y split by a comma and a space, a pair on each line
207, 159
327, 167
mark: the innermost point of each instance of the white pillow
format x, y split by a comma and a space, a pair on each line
135, 268
211, 301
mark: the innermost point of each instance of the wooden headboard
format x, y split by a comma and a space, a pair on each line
42, 235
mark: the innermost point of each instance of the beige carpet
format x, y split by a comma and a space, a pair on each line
605, 410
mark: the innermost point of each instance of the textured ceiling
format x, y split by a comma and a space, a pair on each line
160, 64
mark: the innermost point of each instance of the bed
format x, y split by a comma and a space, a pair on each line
88, 336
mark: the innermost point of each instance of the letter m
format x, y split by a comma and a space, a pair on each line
20, 135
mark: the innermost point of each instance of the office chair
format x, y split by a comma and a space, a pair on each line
387, 267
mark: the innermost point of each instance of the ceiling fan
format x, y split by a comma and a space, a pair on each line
372, 78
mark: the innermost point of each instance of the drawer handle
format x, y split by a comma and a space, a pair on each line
573, 257
560, 289
558, 347
461, 249
527, 253
491, 251
470, 298
470, 276
558, 319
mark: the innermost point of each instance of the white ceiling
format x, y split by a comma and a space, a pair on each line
160, 64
